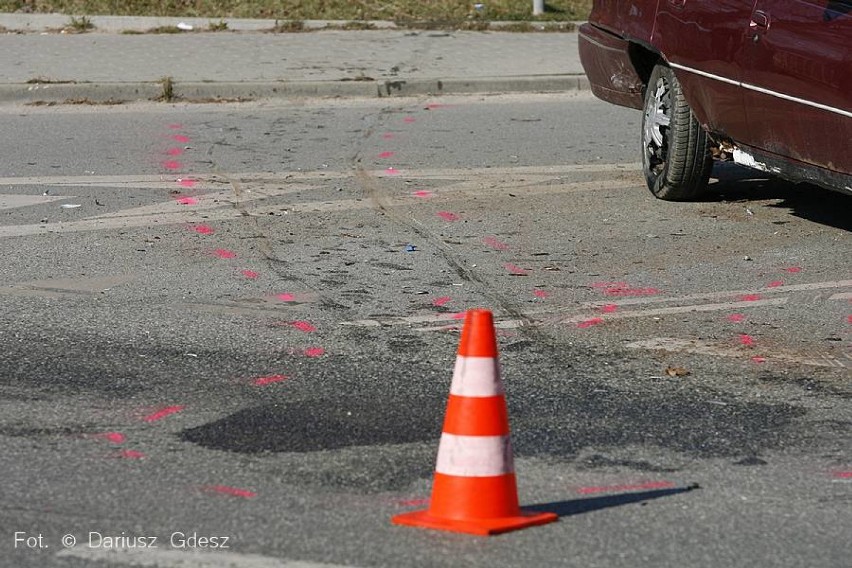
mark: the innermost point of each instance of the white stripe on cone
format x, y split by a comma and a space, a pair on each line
474, 456
476, 376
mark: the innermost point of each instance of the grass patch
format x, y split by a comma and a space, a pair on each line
79, 25
348, 10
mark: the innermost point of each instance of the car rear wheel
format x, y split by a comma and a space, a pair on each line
675, 149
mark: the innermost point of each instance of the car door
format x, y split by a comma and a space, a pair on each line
704, 43
797, 78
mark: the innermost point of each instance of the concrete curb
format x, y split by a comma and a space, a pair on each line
69, 93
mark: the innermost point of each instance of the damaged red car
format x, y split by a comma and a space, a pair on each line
764, 83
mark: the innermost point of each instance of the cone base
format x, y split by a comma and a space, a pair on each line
482, 527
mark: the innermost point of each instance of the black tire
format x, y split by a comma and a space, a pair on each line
676, 154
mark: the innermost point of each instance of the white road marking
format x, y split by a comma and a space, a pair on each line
168, 558
675, 345
13, 201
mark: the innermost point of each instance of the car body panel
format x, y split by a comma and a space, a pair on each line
613, 77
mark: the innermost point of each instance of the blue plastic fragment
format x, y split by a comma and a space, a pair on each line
410, 248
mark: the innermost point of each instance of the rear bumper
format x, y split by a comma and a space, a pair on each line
606, 60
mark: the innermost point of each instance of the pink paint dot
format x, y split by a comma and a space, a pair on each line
392, 171
541, 293
750, 298
434, 106
162, 413
225, 253
746, 339
175, 126
286, 297
736, 318
443, 300
842, 475
775, 284
180, 138
203, 229
174, 151
849, 319
409, 119
423, 193
514, 269
187, 182
172, 165
758, 359
793, 269
388, 136
227, 490
386, 154
609, 308
448, 216
458, 315
271, 379
314, 352
494, 243
131, 455
590, 323
250, 274
305, 326
187, 201
114, 437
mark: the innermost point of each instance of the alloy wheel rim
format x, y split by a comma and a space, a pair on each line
656, 127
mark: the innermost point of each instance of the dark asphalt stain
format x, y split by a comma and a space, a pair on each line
598, 461
750, 461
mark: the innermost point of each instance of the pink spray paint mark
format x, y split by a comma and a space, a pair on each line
175, 126
736, 318
305, 326
203, 229
286, 297
443, 300
458, 315
180, 138
630, 292
775, 284
271, 379
131, 455
541, 293
227, 490
750, 298
114, 437
590, 323
609, 308
162, 413
514, 269
793, 269
174, 151
250, 274
225, 253
746, 340
758, 359
494, 243
849, 319
842, 475
651, 485
434, 106
423, 193
187, 182
187, 201
391, 171
448, 216
409, 119
172, 165
388, 136
314, 352
386, 154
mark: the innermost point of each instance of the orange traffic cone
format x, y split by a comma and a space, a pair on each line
474, 488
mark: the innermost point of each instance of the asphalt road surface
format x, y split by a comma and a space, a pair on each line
238, 322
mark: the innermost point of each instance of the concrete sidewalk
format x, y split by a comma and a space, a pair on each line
248, 63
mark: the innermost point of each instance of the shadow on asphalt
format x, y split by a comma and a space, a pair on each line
580, 506
739, 184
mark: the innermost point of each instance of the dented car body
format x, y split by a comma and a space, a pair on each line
766, 83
